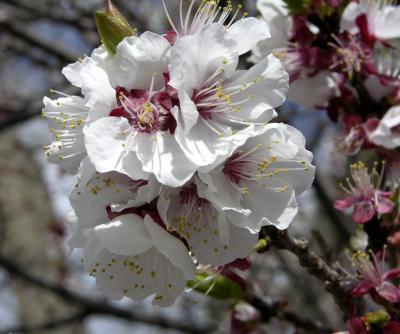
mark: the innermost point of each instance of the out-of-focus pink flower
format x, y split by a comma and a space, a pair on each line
374, 278
356, 326
392, 328
365, 194
245, 319
350, 55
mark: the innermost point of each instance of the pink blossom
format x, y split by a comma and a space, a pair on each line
365, 195
374, 278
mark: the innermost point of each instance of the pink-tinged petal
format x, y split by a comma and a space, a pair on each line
384, 205
391, 274
356, 326
343, 204
363, 212
389, 291
361, 289
392, 328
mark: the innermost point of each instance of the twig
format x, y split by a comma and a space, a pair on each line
272, 310
315, 265
34, 40
92, 307
46, 326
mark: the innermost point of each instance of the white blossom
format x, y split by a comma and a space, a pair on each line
261, 179
211, 236
220, 107
135, 257
307, 88
387, 134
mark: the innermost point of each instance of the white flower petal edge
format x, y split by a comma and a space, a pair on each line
211, 237
276, 14
315, 91
382, 18
67, 117
261, 179
93, 194
247, 32
112, 145
134, 257
387, 134
138, 58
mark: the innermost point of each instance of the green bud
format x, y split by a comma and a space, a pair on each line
377, 318
261, 246
219, 287
112, 27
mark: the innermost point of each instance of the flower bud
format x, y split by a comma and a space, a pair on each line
377, 318
112, 27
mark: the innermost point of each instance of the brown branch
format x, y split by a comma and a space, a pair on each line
315, 265
276, 310
55, 14
92, 307
54, 324
31, 38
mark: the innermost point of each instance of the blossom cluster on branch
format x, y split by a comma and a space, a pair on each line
178, 164
343, 57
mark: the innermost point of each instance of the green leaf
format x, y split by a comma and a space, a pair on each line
219, 287
112, 28
297, 7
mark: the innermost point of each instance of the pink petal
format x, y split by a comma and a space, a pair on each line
392, 328
361, 289
363, 212
343, 204
391, 274
389, 291
383, 204
356, 326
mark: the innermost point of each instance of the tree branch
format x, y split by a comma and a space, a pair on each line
92, 307
315, 265
47, 326
275, 310
34, 40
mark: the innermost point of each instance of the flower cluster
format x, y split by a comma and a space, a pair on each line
177, 162
343, 56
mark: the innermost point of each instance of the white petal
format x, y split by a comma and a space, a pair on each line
125, 235
247, 32
95, 85
138, 58
189, 71
272, 84
139, 277
92, 195
161, 155
383, 134
106, 144
268, 207
322, 86
170, 247
388, 26
349, 16
66, 117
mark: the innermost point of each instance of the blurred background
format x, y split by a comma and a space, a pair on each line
42, 285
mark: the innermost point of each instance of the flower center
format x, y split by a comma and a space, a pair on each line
147, 111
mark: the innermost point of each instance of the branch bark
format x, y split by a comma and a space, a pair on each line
272, 310
316, 266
